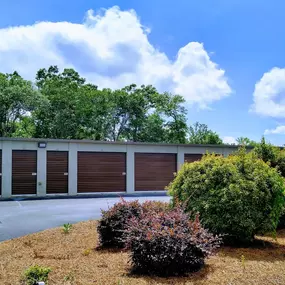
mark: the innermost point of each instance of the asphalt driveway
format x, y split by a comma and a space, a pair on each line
19, 218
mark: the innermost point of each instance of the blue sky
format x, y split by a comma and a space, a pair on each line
225, 57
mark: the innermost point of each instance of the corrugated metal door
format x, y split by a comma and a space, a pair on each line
0, 172
154, 171
57, 172
24, 172
101, 172
191, 157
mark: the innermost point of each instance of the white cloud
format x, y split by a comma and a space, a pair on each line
112, 49
278, 130
269, 94
229, 140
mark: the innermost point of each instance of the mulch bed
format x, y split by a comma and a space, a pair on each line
74, 259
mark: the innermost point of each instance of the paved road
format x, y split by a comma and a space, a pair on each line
18, 218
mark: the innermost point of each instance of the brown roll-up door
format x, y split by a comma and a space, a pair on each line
24, 172
0, 172
57, 172
154, 171
191, 157
101, 172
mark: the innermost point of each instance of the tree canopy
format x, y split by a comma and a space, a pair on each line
201, 134
61, 104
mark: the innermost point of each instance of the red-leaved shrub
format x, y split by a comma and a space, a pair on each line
114, 221
168, 243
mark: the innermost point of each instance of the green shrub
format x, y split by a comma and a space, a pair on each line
276, 158
35, 274
168, 243
237, 196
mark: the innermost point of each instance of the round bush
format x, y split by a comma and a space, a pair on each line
168, 243
237, 196
114, 221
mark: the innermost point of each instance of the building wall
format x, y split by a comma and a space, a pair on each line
73, 146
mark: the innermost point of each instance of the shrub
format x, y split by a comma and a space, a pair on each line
155, 206
237, 196
276, 158
114, 221
168, 243
281, 224
35, 274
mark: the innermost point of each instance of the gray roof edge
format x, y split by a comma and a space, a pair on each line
116, 142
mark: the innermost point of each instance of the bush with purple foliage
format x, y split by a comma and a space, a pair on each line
114, 221
168, 243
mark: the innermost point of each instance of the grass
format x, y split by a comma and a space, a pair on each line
67, 256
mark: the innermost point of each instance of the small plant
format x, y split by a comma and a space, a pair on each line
168, 243
86, 252
67, 228
242, 259
35, 274
69, 277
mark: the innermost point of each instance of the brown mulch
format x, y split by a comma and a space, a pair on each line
75, 261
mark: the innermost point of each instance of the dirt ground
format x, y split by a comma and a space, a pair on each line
74, 261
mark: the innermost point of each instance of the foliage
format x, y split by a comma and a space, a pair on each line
168, 243
281, 224
67, 228
201, 134
245, 141
237, 196
35, 274
114, 221
63, 105
18, 97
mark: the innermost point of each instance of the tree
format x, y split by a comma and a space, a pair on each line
245, 141
56, 116
18, 98
62, 105
201, 134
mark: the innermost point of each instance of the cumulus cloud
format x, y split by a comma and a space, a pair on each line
229, 140
269, 94
278, 130
111, 49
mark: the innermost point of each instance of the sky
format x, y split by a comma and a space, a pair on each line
226, 58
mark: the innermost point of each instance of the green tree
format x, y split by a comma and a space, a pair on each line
56, 116
18, 98
70, 108
245, 141
201, 134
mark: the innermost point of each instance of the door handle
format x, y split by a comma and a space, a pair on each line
124, 173
34, 174
65, 173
